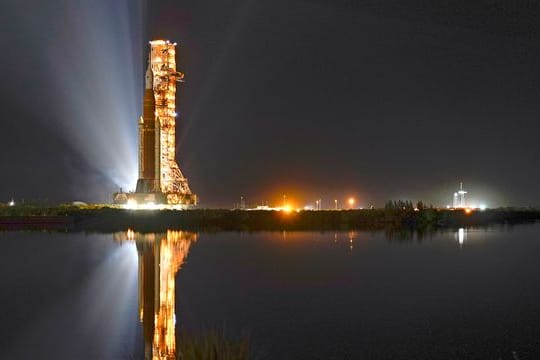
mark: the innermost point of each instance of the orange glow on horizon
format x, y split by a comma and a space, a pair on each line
287, 208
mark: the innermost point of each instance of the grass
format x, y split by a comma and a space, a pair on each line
212, 346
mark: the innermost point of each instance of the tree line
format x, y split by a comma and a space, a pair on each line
406, 205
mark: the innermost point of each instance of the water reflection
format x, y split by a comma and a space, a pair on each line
160, 256
352, 236
408, 235
461, 236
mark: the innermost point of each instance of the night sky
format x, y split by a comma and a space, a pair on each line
380, 99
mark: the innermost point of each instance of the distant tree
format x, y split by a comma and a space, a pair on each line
399, 205
420, 205
408, 205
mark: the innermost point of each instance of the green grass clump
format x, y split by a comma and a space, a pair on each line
211, 346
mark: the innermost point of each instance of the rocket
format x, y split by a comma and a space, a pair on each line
149, 131
160, 179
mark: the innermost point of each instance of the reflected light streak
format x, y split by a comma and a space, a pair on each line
352, 236
106, 298
461, 236
99, 308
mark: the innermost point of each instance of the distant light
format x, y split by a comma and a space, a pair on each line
468, 210
483, 207
351, 201
12, 202
131, 204
150, 206
287, 208
175, 114
262, 207
448, 206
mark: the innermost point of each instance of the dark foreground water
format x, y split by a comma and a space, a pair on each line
456, 295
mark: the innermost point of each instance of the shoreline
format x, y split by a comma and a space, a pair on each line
108, 219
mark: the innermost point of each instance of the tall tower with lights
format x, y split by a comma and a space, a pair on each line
160, 179
162, 65
461, 194
458, 199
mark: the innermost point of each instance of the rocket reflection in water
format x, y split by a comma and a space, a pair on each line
160, 257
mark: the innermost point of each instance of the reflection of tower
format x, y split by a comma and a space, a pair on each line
160, 179
461, 236
160, 258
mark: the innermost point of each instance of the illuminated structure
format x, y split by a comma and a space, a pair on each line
160, 179
459, 197
160, 258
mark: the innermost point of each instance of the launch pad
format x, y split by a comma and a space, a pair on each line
160, 183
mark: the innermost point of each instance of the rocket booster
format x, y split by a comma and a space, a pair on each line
148, 140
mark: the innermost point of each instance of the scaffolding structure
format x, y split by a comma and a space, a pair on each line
160, 182
165, 76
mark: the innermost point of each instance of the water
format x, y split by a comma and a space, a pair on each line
463, 294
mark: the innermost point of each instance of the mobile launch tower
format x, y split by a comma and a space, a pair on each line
459, 197
160, 179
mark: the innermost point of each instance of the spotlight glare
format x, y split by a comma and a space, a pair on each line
131, 204
98, 87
